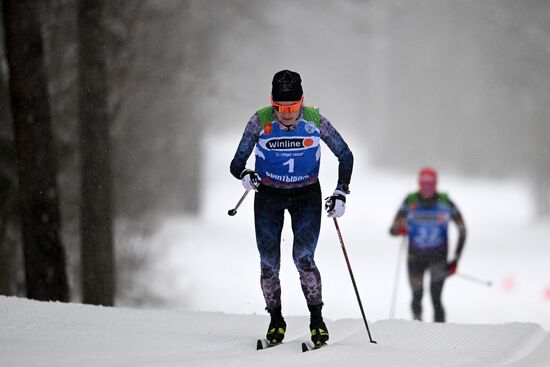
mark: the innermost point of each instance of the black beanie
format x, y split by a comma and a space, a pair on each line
286, 86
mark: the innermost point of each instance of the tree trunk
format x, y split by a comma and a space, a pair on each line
10, 263
44, 255
10, 257
98, 277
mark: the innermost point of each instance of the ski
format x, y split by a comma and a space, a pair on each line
306, 347
264, 344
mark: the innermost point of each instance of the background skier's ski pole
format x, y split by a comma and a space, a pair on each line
352, 278
233, 211
396, 279
475, 279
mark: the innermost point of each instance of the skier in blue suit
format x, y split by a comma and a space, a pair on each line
285, 138
424, 216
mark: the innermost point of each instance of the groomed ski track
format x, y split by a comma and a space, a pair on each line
55, 334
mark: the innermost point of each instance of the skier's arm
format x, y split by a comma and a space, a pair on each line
459, 221
249, 139
340, 148
399, 225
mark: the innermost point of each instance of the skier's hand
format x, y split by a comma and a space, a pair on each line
399, 230
451, 267
335, 205
250, 180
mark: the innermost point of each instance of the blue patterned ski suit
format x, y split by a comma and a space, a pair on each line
287, 160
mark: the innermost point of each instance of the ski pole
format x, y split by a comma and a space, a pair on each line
396, 279
352, 278
488, 283
233, 211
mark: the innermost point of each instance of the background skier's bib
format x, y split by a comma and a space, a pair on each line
428, 227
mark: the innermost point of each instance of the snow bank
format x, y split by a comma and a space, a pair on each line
56, 334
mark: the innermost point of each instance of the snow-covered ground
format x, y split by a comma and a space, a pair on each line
67, 335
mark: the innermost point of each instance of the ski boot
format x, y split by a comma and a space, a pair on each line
416, 307
318, 328
277, 327
439, 313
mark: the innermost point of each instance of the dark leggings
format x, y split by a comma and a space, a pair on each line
305, 214
418, 264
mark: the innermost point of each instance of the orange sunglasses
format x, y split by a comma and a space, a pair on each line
291, 108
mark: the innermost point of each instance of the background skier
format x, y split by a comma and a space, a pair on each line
424, 216
286, 138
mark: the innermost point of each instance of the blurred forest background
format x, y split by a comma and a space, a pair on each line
461, 84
